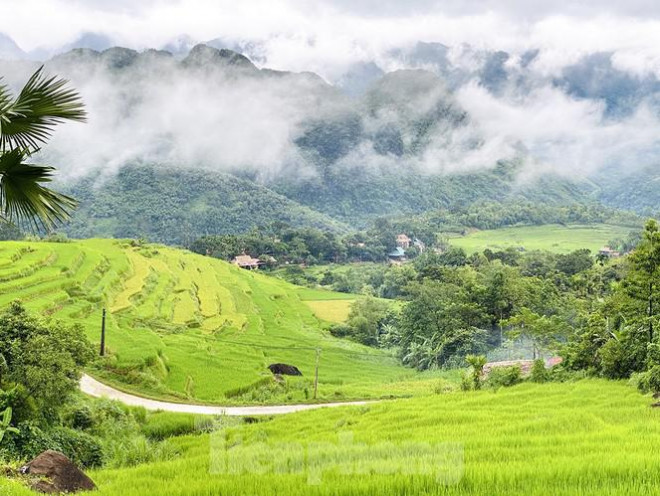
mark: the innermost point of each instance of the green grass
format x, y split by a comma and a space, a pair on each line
335, 311
554, 238
590, 437
186, 327
308, 294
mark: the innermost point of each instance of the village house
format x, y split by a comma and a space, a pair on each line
403, 241
609, 252
246, 262
398, 255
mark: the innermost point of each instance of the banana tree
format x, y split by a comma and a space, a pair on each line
5, 428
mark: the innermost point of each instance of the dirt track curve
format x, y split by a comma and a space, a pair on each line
92, 387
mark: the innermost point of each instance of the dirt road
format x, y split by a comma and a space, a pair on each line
92, 387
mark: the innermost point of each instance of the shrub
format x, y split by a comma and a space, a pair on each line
79, 417
649, 381
83, 449
504, 376
621, 357
539, 373
27, 443
466, 381
477, 362
162, 425
340, 330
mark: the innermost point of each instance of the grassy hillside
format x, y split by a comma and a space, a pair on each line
589, 437
554, 238
185, 326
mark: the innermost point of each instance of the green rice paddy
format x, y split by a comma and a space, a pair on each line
591, 437
553, 237
186, 327
336, 311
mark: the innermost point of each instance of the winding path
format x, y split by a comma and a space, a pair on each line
92, 387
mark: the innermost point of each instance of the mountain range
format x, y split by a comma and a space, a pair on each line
292, 147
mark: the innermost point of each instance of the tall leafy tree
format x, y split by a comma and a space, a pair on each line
644, 276
41, 363
440, 326
544, 332
27, 121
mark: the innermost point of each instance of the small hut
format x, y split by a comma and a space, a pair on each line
247, 262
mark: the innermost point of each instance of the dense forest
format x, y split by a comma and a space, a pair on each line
177, 206
145, 201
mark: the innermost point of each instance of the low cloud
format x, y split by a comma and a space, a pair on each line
326, 36
252, 124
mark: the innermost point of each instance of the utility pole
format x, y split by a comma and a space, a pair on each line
103, 334
316, 372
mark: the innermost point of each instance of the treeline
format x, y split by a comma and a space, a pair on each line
494, 215
619, 336
390, 281
457, 305
279, 243
601, 316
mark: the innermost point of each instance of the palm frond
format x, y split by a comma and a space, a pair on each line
23, 197
28, 121
6, 99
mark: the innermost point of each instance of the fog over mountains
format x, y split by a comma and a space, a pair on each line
417, 128
591, 114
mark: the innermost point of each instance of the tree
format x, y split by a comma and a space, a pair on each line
500, 293
574, 262
544, 332
642, 280
366, 319
440, 326
26, 123
42, 362
454, 257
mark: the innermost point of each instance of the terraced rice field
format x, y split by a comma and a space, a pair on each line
185, 326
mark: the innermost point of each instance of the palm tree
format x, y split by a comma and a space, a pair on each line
26, 123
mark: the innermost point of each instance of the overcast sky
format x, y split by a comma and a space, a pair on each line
324, 35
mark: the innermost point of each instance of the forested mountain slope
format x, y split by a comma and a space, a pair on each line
177, 206
637, 190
